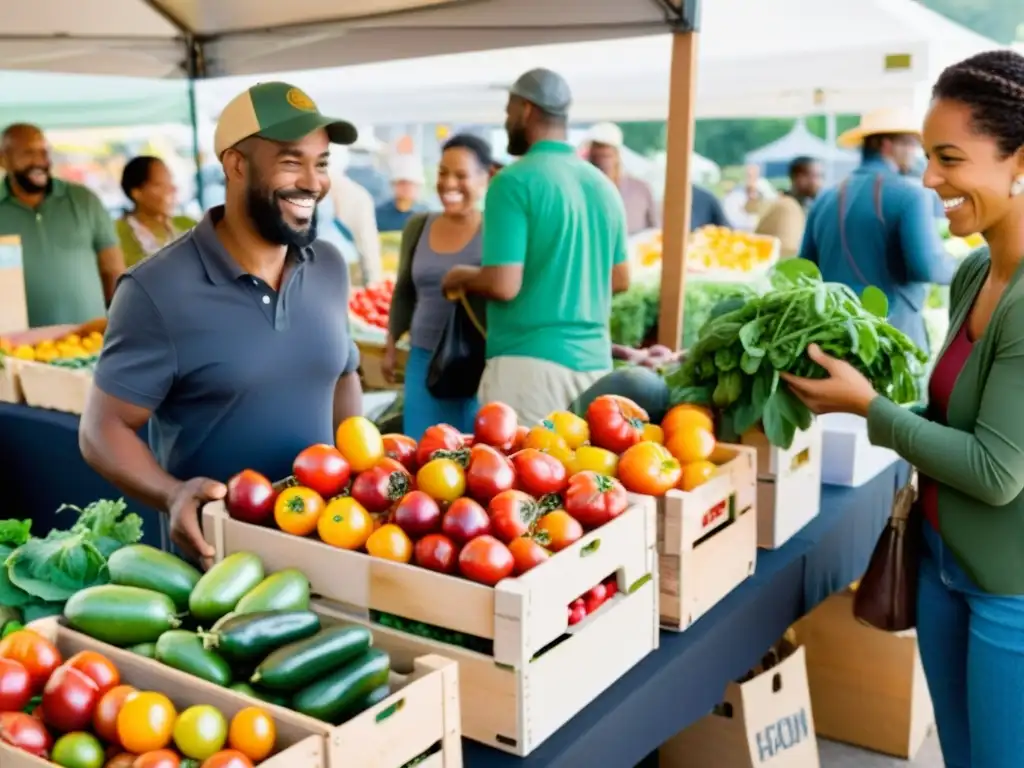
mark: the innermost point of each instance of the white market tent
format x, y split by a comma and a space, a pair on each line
774, 157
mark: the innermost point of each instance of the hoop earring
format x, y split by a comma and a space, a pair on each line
1017, 188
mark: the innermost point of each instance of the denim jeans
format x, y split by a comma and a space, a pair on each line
421, 409
972, 648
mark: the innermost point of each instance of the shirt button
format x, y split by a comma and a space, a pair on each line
255, 281
266, 299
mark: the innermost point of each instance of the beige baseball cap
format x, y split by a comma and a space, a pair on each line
279, 112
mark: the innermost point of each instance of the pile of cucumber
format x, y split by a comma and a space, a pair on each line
262, 641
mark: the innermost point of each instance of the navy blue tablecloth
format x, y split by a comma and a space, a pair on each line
41, 468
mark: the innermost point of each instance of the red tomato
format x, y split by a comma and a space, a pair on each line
250, 498
228, 758
558, 530
161, 758
440, 437
615, 422
417, 514
512, 514
464, 521
15, 686
436, 552
489, 473
322, 468
522, 432
400, 448
69, 698
539, 473
104, 719
595, 499
527, 554
648, 468
96, 667
381, 485
495, 425
486, 560
26, 733
34, 652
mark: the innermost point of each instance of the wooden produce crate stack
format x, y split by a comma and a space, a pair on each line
541, 672
42, 385
10, 384
420, 717
788, 484
707, 538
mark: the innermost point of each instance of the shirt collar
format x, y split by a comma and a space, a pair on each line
550, 145
217, 262
876, 164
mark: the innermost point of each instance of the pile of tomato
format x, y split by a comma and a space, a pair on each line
78, 713
373, 303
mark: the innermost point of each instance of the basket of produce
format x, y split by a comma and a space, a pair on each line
496, 550
728, 254
57, 373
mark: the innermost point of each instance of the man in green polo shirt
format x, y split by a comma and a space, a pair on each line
70, 253
554, 250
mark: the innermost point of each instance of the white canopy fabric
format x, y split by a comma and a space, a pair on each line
799, 141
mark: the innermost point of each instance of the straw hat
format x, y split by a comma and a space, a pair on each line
881, 121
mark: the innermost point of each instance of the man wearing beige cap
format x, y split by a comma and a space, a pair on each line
877, 227
605, 152
232, 342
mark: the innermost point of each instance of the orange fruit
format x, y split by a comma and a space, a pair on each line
252, 733
389, 542
696, 474
345, 523
146, 722
652, 433
691, 443
686, 415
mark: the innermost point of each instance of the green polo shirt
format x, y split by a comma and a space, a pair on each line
564, 222
59, 243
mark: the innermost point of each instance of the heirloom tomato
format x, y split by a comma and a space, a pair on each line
490, 472
684, 415
389, 542
34, 652
520, 439
526, 554
549, 441
615, 422
401, 448
228, 758
486, 560
297, 510
558, 530
417, 514
590, 457
104, 718
200, 731
691, 443
696, 474
495, 425
649, 468
26, 733
464, 520
381, 485
436, 552
572, 428
441, 479
146, 722
595, 499
539, 473
250, 498
97, 667
78, 750
513, 514
69, 699
322, 468
15, 686
252, 733
345, 524
360, 443
440, 437
160, 758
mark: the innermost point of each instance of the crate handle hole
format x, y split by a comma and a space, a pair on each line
776, 682
590, 548
387, 712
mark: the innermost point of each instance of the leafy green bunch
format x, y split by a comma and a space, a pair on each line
740, 352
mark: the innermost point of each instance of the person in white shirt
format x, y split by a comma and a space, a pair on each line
354, 216
745, 204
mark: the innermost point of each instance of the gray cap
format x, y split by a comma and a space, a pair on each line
547, 89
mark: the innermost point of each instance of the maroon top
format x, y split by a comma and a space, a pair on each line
940, 387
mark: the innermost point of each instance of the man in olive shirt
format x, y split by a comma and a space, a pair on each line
554, 250
70, 253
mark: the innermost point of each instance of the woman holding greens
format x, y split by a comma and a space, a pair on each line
150, 224
969, 444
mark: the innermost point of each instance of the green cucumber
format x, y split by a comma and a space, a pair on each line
249, 637
146, 650
121, 615
286, 590
247, 690
298, 664
374, 697
221, 587
147, 567
222, 620
184, 651
332, 697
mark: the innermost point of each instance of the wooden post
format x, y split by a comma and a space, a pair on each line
679, 145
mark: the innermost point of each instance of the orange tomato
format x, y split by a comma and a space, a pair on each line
685, 415
360, 443
389, 542
549, 441
649, 468
229, 758
345, 524
161, 758
145, 722
297, 510
104, 718
652, 433
97, 668
690, 443
558, 530
252, 733
696, 474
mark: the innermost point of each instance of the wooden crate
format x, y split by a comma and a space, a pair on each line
707, 539
788, 485
10, 385
867, 686
541, 672
54, 387
371, 355
421, 713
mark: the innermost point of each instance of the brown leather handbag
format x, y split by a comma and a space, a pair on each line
887, 596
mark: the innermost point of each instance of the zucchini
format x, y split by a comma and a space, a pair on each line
184, 651
286, 590
374, 697
146, 650
271, 698
298, 664
332, 697
249, 637
221, 587
121, 615
139, 565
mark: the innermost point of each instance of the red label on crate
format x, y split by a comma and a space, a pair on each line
715, 516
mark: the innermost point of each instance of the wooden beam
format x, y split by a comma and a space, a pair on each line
676, 215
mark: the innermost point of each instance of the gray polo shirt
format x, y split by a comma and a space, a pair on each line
236, 374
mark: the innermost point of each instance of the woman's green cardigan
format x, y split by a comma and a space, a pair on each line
978, 459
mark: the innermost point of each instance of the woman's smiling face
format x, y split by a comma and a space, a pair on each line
968, 170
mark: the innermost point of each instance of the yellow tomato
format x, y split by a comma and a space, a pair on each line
389, 542
72, 338
46, 354
24, 352
549, 441
570, 427
686, 416
652, 433
442, 480
696, 474
360, 443
594, 459
91, 344
345, 523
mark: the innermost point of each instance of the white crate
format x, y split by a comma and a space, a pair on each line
847, 456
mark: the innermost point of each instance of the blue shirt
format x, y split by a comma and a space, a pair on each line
891, 241
236, 374
390, 219
705, 210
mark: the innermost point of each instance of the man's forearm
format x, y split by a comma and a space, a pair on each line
117, 454
348, 398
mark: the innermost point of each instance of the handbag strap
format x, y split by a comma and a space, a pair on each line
461, 297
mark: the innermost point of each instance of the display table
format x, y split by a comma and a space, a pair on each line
41, 468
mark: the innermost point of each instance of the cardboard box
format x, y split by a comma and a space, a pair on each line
847, 456
867, 686
766, 721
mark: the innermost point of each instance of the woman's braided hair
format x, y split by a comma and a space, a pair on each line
991, 84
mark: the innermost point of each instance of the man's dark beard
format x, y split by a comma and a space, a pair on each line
26, 184
262, 206
518, 144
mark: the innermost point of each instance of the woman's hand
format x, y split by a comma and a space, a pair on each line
844, 391
387, 365
458, 277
